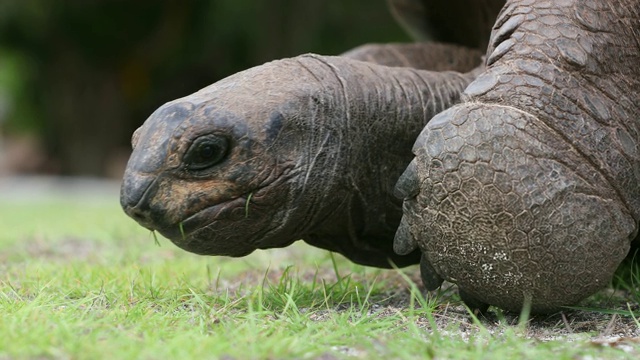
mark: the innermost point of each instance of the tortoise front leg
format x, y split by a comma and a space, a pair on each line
529, 189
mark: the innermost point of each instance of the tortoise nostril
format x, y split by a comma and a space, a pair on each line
137, 214
141, 216
134, 199
135, 190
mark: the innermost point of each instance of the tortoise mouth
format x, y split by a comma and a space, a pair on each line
211, 230
233, 227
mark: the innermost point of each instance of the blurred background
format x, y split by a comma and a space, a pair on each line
77, 77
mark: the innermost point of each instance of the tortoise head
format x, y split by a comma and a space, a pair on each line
218, 172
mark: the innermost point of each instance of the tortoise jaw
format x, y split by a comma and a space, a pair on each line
181, 232
218, 229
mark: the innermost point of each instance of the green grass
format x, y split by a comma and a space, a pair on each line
79, 280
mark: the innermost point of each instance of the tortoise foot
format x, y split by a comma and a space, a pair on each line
476, 306
430, 278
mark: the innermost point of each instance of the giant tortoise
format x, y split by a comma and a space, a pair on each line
524, 193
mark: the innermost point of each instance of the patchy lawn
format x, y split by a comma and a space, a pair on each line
80, 280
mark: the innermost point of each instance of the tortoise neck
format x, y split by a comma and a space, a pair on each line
370, 117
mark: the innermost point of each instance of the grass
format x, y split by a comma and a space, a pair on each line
79, 280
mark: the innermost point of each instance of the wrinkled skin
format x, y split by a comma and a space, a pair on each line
303, 148
527, 192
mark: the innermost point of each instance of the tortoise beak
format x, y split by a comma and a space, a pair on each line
135, 193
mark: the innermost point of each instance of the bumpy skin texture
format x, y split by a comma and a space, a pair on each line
528, 191
303, 148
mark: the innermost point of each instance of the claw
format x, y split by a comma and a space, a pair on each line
476, 306
430, 277
408, 185
403, 243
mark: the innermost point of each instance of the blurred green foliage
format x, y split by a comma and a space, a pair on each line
83, 74
15, 74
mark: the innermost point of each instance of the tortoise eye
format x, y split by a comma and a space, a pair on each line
206, 151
